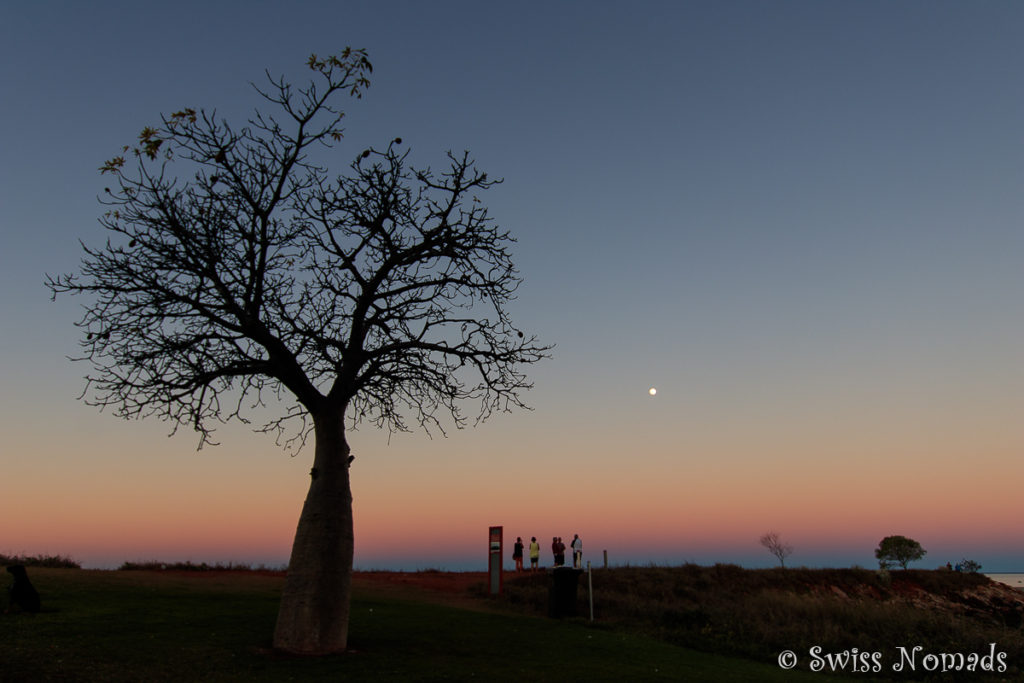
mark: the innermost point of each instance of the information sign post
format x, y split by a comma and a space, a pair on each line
495, 551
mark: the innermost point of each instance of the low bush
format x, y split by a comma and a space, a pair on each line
51, 561
189, 566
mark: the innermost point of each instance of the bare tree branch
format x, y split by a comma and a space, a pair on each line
773, 542
235, 265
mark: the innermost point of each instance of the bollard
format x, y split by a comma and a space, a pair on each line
590, 589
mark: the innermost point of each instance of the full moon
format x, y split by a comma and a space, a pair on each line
652, 391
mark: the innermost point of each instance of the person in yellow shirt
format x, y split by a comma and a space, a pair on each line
534, 553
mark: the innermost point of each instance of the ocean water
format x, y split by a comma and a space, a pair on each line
1015, 579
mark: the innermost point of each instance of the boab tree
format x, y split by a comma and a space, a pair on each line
237, 269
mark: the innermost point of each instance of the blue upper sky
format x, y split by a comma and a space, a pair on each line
774, 211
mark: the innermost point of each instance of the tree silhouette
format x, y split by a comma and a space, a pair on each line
238, 272
773, 542
898, 549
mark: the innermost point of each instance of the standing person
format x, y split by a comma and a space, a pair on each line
577, 551
534, 553
554, 551
517, 554
561, 552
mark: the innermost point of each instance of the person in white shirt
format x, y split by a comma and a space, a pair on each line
577, 551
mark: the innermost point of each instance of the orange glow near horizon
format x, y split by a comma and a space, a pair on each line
134, 497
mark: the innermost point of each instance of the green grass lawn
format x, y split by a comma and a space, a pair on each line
146, 626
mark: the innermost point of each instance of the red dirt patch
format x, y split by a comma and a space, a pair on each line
218, 573
442, 582
453, 588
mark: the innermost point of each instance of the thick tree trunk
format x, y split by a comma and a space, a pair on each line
313, 617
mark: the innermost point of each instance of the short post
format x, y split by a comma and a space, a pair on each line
590, 589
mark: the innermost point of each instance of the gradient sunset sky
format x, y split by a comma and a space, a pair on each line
803, 222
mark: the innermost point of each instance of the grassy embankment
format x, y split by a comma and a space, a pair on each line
759, 613
215, 626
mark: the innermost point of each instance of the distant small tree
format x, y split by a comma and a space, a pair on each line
776, 547
898, 550
969, 566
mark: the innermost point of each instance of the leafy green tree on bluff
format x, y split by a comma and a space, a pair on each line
899, 550
237, 270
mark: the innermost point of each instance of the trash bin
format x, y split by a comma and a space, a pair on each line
562, 598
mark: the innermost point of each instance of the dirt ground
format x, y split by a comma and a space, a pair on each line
441, 582
437, 586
